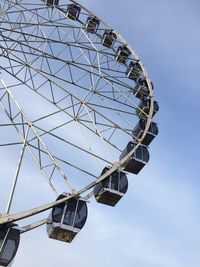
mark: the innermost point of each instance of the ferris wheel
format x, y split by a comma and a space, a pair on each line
77, 101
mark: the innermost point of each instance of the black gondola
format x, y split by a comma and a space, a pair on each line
108, 38
138, 160
151, 133
73, 11
144, 107
51, 2
67, 219
141, 89
92, 24
122, 54
9, 243
112, 189
134, 70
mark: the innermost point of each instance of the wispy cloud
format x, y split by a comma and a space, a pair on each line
157, 223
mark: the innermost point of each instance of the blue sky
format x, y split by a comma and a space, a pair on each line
157, 222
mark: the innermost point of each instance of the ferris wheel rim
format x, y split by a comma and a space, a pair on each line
120, 164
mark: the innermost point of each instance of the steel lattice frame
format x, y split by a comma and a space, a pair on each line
67, 67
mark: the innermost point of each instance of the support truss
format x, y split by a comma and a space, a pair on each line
68, 68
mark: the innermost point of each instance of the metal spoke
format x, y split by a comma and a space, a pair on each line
17, 173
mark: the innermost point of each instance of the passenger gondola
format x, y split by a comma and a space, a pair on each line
122, 54
134, 70
92, 24
9, 243
51, 2
73, 11
150, 135
141, 89
67, 219
138, 160
112, 189
144, 108
109, 38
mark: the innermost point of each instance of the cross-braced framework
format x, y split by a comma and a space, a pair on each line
86, 105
